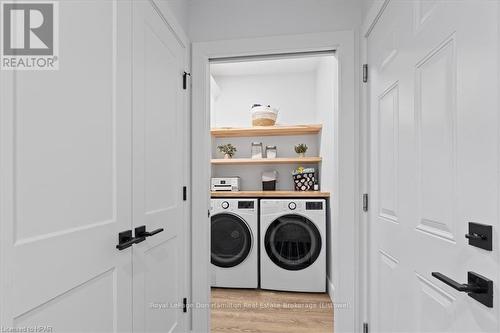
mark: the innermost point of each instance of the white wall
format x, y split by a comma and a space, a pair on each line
365, 7
234, 19
293, 94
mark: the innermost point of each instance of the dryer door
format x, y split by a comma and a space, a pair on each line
231, 240
292, 242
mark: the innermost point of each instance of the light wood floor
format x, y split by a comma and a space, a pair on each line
262, 311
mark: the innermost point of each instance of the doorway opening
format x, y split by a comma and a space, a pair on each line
272, 122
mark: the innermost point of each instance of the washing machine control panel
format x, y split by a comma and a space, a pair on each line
314, 205
246, 204
225, 205
292, 205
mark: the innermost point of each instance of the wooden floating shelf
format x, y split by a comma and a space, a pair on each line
229, 132
271, 194
278, 160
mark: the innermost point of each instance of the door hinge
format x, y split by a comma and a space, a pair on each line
365, 327
184, 80
365, 73
209, 213
184, 193
365, 202
184, 305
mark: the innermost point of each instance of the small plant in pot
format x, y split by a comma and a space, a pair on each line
228, 150
301, 149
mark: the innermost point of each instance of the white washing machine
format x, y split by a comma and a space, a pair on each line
293, 245
234, 254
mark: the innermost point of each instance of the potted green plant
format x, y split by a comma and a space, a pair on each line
301, 149
228, 150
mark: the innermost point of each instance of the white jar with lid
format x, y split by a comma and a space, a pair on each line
256, 150
271, 152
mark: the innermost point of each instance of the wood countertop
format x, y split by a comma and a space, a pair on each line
271, 194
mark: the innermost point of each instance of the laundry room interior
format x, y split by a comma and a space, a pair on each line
272, 122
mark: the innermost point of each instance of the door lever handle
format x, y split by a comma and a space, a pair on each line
125, 240
458, 286
478, 287
154, 232
141, 232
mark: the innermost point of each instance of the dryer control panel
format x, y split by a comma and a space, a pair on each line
243, 204
314, 205
233, 205
276, 206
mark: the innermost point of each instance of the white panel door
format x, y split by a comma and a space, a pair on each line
434, 112
159, 172
65, 173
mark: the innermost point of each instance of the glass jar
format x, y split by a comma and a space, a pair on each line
256, 150
271, 152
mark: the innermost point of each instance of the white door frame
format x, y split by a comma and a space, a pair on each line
345, 201
369, 22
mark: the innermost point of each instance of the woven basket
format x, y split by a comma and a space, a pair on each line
264, 115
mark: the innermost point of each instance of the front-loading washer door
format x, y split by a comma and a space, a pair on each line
292, 242
231, 240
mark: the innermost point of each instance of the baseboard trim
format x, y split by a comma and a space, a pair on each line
330, 288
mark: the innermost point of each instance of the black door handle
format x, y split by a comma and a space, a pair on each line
125, 240
458, 286
477, 287
141, 232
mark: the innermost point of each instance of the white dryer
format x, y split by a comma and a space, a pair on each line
234, 254
293, 245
